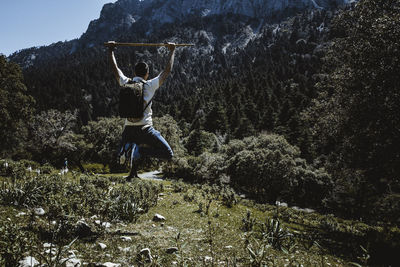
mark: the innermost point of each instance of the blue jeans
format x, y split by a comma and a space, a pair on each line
149, 140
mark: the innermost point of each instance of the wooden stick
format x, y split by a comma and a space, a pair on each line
143, 44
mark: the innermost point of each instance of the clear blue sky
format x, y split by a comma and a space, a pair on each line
27, 23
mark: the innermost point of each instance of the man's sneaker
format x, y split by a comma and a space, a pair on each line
124, 154
122, 159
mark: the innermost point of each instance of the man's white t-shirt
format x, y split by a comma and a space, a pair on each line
149, 88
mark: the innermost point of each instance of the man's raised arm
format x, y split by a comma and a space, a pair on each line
168, 67
117, 72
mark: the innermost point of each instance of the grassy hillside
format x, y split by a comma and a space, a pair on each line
92, 219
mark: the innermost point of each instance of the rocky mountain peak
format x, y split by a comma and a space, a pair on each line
123, 13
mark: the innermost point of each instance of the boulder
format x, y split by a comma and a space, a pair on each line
39, 211
158, 218
102, 245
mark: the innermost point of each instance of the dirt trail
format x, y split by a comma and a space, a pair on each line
153, 175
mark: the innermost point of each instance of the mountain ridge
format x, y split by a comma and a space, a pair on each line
127, 16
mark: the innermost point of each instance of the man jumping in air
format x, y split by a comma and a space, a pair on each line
141, 132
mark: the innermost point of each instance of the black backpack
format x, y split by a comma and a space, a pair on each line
131, 100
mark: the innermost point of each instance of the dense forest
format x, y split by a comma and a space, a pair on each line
304, 110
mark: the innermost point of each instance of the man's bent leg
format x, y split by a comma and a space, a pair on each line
159, 147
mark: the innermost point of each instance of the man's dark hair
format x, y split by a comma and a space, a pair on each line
141, 69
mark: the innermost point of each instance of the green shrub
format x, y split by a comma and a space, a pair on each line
171, 131
265, 166
14, 242
206, 167
96, 168
200, 141
388, 208
189, 196
29, 163
13, 169
90, 195
180, 186
47, 168
178, 168
128, 201
210, 166
229, 196
270, 168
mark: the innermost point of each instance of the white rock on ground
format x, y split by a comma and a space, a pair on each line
158, 218
110, 264
48, 245
102, 245
73, 262
146, 253
127, 249
28, 262
207, 258
52, 251
126, 238
283, 204
308, 210
39, 211
106, 224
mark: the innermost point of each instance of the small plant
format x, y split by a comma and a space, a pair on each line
21, 193
128, 198
248, 222
257, 250
274, 233
309, 239
210, 241
363, 258
179, 187
180, 246
56, 256
229, 197
189, 196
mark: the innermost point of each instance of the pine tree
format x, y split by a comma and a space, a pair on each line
16, 108
216, 119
